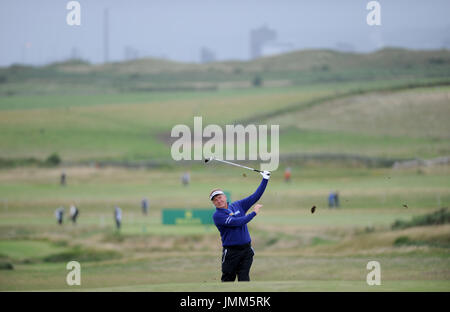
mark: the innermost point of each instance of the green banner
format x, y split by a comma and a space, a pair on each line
187, 216
190, 216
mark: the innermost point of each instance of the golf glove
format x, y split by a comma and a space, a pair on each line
265, 174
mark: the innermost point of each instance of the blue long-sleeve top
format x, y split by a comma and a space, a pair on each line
232, 222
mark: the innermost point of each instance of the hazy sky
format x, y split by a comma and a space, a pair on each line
36, 32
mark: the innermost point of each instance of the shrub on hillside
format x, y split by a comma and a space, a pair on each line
79, 254
441, 216
53, 160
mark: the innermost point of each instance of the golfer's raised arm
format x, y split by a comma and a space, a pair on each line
249, 201
232, 221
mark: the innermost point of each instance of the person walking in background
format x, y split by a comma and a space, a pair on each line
59, 214
118, 216
336, 199
333, 199
287, 175
186, 179
62, 179
73, 213
144, 206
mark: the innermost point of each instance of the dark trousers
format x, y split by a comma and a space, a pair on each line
237, 260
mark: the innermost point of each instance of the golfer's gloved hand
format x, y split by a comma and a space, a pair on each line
265, 174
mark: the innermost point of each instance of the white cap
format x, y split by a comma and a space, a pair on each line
217, 192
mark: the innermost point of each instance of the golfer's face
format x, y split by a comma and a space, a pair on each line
220, 201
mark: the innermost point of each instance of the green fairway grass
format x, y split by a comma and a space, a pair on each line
23, 249
327, 250
291, 286
269, 273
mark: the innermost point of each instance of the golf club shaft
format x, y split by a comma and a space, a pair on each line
237, 165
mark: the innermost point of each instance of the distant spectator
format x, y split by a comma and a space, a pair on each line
336, 199
74, 213
186, 179
333, 199
59, 214
287, 175
118, 216
63, 179
144, 206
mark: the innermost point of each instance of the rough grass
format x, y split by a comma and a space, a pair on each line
82, 255
441, 216
400, 124
417, 113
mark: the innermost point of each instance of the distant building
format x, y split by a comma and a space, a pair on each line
207, 56
258, 38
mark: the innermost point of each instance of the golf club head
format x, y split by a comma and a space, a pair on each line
208, 159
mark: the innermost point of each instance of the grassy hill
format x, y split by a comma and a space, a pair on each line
325, 102
404, 124
292, 69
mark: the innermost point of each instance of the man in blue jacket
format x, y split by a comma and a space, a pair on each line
231, 221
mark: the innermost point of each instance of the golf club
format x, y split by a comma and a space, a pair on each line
207, 160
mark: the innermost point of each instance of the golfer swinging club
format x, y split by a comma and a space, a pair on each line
231, 221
